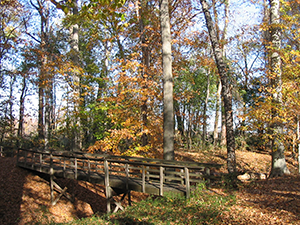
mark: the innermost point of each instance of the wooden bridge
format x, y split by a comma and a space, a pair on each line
119, 174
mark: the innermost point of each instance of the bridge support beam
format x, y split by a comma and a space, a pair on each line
110, 193
62, 192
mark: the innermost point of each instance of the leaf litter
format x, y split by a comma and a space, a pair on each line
25, 196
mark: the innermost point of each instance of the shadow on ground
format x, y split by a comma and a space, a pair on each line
281, 194
12, 180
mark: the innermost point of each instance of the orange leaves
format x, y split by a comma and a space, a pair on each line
132, 109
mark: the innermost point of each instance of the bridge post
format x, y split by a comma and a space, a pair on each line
127, 175
207, 172
75, 172
89, 170
161, 180
51, 179
107, 187
127, 184
187, 182
143, 179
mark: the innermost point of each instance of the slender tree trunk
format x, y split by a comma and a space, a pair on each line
144, 70
10, 106
204, 130
167, 81
47, 107
22, 107
223, 39
226, 88
43, 88
223, 126
216, 125
180, 124
278, 159
298, 139
44, 74
41, 110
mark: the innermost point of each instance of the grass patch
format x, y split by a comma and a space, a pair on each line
204, 207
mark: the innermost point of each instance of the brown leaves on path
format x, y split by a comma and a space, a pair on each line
272, 201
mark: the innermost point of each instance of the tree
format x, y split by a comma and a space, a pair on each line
226, 87
74, 43
11, 23
44, 51
167, 81
278, 159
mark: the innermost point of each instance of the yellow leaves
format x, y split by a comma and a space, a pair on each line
295, 53
132, 91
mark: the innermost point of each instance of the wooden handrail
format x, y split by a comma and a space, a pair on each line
126, 159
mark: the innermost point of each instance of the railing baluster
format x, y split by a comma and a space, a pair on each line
207, 172
75, 161
51, 178
148, 173
89, 170
107, 187
64, 169
127, 175
187, 181
143, 179
41, 161
161, 179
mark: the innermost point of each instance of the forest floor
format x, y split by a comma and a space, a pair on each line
24, 196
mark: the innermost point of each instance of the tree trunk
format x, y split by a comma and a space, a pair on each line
216, 125
10, 106
278, 159
179, 119
226, 88
298, 139
223, 126
144, 70
74, 38
167, 81
40, 127
47, 81
204, 130
22, 107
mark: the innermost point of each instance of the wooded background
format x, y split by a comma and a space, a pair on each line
145, 77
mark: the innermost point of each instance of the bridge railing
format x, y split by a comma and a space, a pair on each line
77, 164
